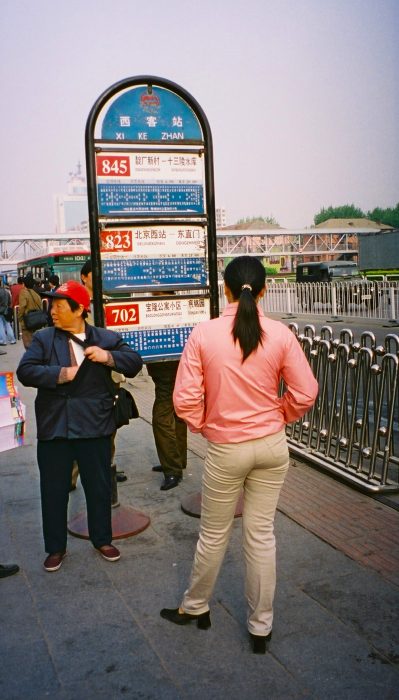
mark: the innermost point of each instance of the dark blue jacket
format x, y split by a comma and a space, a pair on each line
82, 408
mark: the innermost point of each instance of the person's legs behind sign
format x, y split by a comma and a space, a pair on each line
170, 432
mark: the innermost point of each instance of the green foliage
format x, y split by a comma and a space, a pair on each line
258, 220
389, 216
344, 211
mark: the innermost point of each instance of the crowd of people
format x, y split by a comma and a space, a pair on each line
227, 386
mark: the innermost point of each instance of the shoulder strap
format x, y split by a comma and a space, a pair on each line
32, 297
78, 341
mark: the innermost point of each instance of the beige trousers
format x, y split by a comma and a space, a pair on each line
259, 467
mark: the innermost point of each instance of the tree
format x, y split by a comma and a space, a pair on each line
344, 211
389, 216
259, 220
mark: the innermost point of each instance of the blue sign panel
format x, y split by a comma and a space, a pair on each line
115, 198
159, 343
140, 114
128, 273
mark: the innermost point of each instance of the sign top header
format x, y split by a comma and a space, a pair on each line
145, 113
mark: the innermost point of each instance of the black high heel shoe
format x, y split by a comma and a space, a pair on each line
260, 644
183, 618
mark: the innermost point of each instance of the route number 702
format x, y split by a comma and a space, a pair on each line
122, 315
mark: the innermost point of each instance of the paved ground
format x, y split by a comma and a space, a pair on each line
92, 629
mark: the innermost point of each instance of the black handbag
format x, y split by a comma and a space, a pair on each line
125, 408
35, 319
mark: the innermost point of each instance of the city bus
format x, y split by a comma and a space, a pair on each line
65, 264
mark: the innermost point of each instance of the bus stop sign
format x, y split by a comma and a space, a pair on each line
149, 162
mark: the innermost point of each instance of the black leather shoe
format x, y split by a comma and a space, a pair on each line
158, 468
8, 570
121, 476
170, 482
260, 644
182, 618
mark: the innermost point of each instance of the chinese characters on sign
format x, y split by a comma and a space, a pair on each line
157, 328
159, 115
148, 183
149, 256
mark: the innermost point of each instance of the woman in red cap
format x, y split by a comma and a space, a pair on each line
70, 364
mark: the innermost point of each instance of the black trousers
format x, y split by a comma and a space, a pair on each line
170, 431
55, 458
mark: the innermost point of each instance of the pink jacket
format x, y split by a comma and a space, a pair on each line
230, 401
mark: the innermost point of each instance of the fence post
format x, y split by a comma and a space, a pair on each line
289, 313
392, 321
334, 314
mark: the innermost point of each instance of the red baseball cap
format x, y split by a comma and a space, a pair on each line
72, 290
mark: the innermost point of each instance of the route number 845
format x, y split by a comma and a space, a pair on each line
113, 166
122, 314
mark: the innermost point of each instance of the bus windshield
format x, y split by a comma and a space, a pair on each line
65, 264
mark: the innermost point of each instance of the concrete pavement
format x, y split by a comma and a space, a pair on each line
93, 630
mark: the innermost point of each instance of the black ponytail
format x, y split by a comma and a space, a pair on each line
245, 278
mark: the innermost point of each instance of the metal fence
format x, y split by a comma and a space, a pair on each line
352, 430
368, 299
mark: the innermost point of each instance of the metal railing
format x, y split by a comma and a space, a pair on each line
352, 430
368, 299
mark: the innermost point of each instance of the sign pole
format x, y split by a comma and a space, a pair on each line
149, 164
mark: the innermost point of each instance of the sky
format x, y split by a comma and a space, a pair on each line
302, 97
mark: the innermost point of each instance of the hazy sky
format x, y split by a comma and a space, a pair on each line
302, 96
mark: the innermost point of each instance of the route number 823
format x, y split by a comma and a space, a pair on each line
116, 240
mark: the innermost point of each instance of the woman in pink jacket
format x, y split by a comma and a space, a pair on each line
227, 389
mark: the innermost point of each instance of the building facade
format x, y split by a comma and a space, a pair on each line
71, 210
